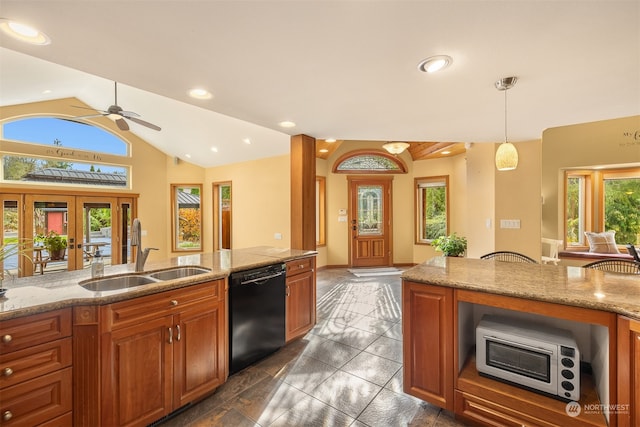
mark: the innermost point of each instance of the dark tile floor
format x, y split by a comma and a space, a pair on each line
346, 372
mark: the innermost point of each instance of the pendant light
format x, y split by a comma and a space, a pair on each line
395, 147
507, 155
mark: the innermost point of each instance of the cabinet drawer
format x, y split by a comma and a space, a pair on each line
136, 310
22, 332
32, 362
299, 266
35, 401
485, 412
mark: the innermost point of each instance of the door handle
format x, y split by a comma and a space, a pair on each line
178, 329
354, 228
170, 335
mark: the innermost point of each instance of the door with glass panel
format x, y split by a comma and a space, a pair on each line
50, 226
11, 239
370, 221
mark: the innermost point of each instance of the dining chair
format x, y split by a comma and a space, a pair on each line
615, 266
633, 252
554, 247
509, 256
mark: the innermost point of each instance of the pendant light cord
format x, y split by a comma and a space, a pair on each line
505, 115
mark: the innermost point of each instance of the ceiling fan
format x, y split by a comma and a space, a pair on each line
117, 114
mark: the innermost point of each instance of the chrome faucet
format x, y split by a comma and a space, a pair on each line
136, 240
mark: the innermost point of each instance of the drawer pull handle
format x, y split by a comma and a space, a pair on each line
7, 415
7, 372
170, 335
301, 266
7, 338
178, 329
174, 302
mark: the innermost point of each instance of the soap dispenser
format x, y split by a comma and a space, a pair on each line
97, 266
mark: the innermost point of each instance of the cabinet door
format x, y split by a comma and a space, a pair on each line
137, 373
629, 371
427, 313
300, 305
199, 352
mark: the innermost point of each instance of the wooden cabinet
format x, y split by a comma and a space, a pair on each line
300, 297
157, 353
628, 372
427, 331
36, 369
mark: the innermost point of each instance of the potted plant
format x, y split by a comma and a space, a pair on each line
55, 244
451, 245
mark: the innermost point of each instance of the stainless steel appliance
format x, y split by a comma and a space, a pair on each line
530, 355
256, 314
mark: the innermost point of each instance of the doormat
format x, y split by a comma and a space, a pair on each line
382, 271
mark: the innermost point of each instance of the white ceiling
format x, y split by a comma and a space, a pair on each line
341, 69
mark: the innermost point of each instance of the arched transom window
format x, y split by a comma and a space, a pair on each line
369, 161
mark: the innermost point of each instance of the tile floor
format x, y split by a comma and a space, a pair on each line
346, 372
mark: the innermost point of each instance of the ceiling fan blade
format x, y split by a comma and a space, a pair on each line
143, 123
88, 108
129, 114
122, 124
90, 116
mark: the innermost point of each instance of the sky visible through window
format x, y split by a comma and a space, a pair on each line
45, 130
70, 134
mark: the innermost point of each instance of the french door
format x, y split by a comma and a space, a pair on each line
370, 221
88, 225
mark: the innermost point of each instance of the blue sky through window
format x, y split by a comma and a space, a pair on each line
71, 134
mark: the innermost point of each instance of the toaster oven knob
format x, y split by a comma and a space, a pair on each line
567, 363
567, 385
567, 374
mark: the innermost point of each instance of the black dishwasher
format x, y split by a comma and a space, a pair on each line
256, 314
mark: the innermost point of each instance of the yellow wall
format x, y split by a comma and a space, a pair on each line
260, 201
479, 195
604, 143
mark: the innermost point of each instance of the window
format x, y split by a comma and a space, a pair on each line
63, 152
321, 185
186, 217
369, 162
602, 200
432, 208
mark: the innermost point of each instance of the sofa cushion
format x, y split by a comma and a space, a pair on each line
604, 243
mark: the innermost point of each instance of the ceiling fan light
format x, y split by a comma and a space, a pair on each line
395, 147
24, 32
506, 157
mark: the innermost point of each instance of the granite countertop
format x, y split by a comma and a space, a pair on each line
40, 293
574, 286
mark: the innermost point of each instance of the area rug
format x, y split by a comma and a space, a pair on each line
382, 271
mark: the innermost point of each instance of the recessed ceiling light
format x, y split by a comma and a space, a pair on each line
445, 152
24, 32
435, 63
330, 140
199, 93
188, 156
323, 150
287, 124
246, 141
46, 91
214, 149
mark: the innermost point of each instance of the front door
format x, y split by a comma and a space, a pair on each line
370, 221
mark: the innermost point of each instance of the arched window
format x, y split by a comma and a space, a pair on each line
59, 151
369, 162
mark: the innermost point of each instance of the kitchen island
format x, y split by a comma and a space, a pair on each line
130, 356
445, 298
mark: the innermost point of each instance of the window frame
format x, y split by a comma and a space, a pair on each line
175, 217
419, 214
593, 207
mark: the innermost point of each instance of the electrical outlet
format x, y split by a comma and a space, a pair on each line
277, 236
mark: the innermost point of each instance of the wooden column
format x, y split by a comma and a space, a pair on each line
303, 192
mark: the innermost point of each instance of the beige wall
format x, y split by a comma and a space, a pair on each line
260, 200
603, 143
261, 189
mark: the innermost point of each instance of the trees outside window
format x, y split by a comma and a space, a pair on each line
187, 217
432, 208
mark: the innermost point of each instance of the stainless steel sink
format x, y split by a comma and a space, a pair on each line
178, 273
116, 283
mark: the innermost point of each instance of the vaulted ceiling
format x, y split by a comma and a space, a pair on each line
338, 69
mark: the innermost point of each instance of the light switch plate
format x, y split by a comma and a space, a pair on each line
509, 223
